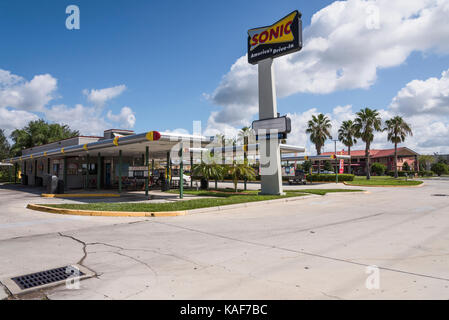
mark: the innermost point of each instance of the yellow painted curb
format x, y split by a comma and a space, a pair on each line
382, 186
79, 195
42, 208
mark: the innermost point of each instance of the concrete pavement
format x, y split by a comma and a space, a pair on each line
315, 248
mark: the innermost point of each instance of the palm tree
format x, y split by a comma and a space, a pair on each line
241, 170
209, 170
427, 160
346, 134
243, 133
319, 128
397, 130
366, 123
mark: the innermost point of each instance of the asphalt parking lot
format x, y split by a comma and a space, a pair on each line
390, 243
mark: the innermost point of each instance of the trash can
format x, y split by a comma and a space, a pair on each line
54, 184
51, 184
204, 184
24, 179
60, 187
38, 181
48, 183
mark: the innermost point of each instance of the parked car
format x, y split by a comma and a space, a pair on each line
300, 177
186, 179
324, 172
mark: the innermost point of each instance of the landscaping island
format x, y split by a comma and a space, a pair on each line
222, 197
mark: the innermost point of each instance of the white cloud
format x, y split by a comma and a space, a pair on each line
126, 118
425, 105
100, 96
10, 119
18, 97
343, 49
429, 96
177, 131
214, 128
87, 120
34, 95
90, 120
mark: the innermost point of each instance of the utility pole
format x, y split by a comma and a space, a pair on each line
336, 162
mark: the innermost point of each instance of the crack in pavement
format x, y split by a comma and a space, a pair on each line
9, 294
80, 262
137, 260
331, 296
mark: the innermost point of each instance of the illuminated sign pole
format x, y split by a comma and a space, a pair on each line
265, 44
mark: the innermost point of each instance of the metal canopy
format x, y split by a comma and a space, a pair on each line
133, 145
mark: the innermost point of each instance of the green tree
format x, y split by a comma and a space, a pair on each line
4, 153
426, 160
397, 130
246, 136
366, 124
378, 168
37, 133
405, 166
4, 146
440, 159
328, 166
440, 168
209, 170
241, 170
319, 129
218, 172
346, 134
306, 166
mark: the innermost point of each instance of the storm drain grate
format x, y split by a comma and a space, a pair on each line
45, 277
440, 195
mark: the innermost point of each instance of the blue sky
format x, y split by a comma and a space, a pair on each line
172, 57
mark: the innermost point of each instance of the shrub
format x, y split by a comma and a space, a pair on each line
405, 166
425, 173
401, 173
329, 177
378, 168
440, 168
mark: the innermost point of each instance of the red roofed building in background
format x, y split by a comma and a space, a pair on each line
384, 156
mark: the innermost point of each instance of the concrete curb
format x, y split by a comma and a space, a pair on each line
42, 208
79, 195
383, 186
249, 204
47, 209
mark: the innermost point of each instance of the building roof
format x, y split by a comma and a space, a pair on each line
376, 153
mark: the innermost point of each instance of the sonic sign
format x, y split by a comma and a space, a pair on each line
283, 37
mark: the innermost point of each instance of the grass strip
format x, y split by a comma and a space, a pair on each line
383, 181
171, 206
222, 197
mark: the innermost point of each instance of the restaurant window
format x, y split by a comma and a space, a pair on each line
92, 168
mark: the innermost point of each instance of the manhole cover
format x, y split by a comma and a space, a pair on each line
440, 195
46, 278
